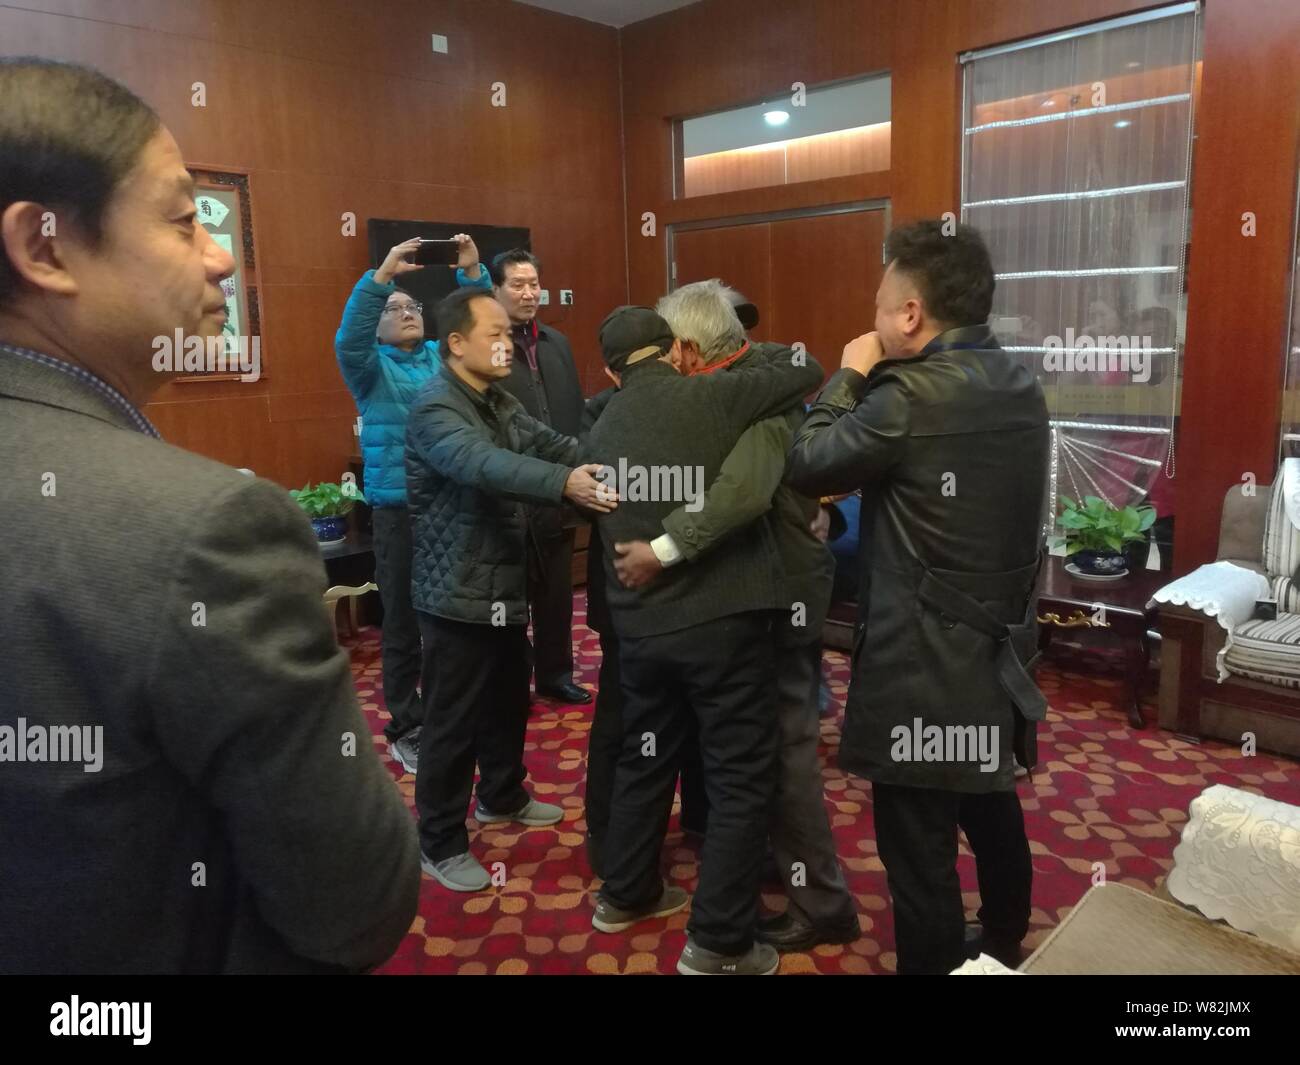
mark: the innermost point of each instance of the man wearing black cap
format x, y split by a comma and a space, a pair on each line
696, 644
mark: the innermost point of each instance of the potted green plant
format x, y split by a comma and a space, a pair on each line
328, 506
1097, 534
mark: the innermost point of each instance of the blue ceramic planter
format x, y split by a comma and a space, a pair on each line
1100, 563
330, 530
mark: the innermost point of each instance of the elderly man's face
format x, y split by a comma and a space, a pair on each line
520, 292
156, 270
685, 357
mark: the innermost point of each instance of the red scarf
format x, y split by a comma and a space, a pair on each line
723, 363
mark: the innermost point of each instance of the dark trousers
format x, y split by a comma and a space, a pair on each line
475, 710
401, 632
800, 831
550, 600
605, 744
719, 673
916, 834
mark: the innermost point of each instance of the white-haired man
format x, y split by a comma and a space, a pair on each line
748, 489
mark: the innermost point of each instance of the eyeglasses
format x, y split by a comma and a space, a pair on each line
396, 310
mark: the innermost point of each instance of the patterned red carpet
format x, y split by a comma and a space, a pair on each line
1102, 793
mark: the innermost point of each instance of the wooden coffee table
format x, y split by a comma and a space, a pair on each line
1067, 602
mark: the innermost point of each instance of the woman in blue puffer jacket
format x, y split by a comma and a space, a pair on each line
386, 361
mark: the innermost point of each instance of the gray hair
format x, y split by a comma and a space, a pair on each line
704, 314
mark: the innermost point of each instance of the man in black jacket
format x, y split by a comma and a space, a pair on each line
473, 460
697, 643
605, 740
544, 378
947, 437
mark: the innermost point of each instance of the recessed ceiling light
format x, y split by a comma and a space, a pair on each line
776, 118
1049, 102
1123, 123
1133, 64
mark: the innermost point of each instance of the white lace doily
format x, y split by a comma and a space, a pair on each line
1239, 861
1221, 591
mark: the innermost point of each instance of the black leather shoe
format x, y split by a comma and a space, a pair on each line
568, 692
792, 934
979, 941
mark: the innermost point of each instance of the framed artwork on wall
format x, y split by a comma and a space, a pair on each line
224, 205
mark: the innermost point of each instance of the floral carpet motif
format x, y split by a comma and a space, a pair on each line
1103, 796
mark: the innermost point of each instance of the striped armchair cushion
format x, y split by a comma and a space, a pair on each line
1267, 650
1287, 593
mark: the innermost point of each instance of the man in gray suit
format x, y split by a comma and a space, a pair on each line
186, 781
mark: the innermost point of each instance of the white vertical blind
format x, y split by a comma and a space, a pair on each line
1076, 166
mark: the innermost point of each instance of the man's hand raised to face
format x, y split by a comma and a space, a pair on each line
862, 353
582, 489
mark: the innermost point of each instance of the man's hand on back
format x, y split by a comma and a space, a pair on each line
583, 490
636, 563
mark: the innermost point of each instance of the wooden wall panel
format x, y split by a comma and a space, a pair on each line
825, 272
783, 267
336, 106
740, 256
768, 47
1238, 285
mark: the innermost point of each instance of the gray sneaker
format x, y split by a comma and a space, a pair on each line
760, 960
531, 813
609, 918
462, 872
405, 750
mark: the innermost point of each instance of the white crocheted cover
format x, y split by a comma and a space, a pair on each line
1221, 591
984, 966
1239, 861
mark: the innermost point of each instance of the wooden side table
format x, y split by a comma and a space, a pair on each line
352, 562
1067, 602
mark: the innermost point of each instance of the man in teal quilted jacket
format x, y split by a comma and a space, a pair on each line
386, 361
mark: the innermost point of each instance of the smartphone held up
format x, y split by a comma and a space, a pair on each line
437, 253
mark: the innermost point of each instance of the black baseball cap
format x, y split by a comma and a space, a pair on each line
629, 334
745, 311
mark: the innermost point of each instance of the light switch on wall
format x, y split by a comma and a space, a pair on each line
545, 298
440, 43
566, 297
